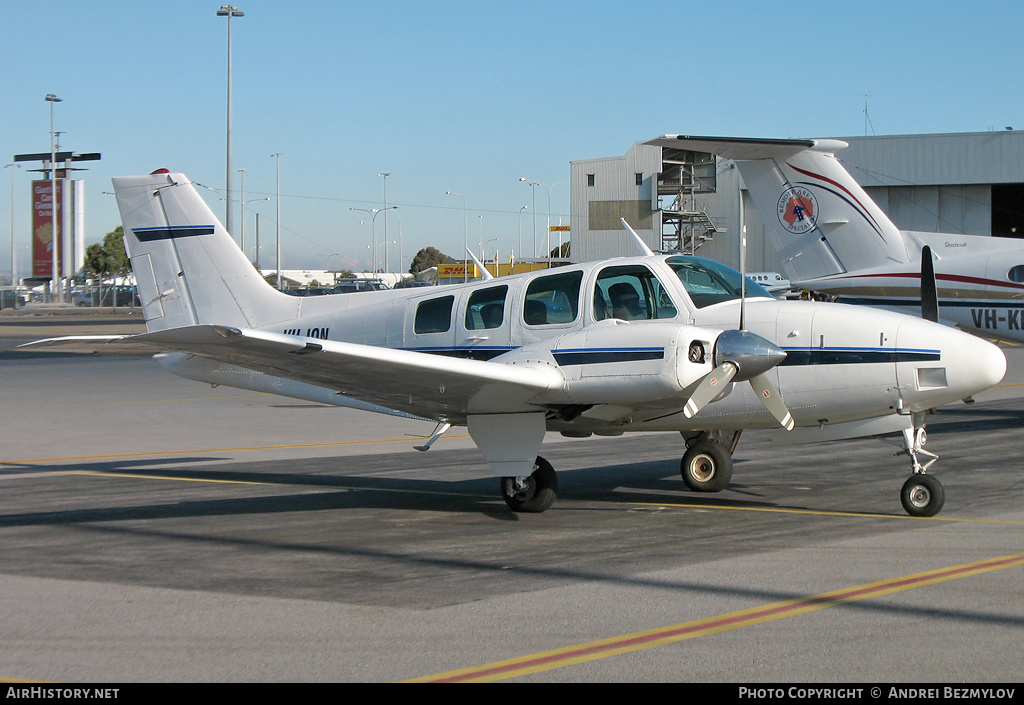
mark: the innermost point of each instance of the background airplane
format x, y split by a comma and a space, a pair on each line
653, 343
832, 238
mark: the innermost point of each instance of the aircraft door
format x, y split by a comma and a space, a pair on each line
430, 326
484, 326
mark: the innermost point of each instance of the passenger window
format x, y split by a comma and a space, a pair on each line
434, 315
631, 293
486, 308
553, 299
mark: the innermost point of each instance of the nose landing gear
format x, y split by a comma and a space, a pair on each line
922, 495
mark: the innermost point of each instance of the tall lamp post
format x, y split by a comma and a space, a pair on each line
385, 175
14, 261
533, 190
521, 209
465, 235
373, 227
54, 242
229, 11
277, 156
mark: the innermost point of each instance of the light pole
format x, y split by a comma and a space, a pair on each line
229, 11
533, 190
373, 227
241, 197
385, 175
14, 261
465, 235
521, 209
55, 274
277, 156
244, 204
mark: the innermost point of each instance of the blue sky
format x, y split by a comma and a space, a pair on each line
467, 97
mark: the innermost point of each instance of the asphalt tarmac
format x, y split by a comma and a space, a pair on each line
154, 529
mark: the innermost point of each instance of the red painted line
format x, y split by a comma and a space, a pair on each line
773, 611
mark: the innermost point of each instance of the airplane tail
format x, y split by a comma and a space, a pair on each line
188, 269
820, 220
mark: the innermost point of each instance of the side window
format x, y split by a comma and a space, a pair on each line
631, 293
434, 315
486, 308
553, 299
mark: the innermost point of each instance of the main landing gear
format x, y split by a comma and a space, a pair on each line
533, 493
707, 463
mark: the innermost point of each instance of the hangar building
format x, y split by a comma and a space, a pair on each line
965, 183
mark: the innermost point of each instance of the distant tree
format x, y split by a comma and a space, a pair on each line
560, 252
97, 263
429, 257
113, 245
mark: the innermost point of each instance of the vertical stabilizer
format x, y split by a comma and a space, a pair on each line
820, 220
188, 268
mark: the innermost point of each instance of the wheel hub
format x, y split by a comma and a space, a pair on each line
703, 468
920, 496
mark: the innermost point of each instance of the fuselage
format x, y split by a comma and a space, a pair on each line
620, 333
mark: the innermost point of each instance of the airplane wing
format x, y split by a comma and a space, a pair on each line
421, 384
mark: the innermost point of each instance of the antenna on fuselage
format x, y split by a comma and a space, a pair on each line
484, 274
644, 249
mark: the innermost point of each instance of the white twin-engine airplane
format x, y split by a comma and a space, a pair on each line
652, 343
832, 238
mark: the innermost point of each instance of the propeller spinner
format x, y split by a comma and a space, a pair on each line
742, 356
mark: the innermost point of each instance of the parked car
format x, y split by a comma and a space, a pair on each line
411, 283
7, 299
124, 296
348, 286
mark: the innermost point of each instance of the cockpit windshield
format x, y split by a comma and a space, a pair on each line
709, 282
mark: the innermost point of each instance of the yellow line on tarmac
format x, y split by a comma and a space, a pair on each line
822, 512
628, 643
213, 450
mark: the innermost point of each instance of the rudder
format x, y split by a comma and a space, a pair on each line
188, 268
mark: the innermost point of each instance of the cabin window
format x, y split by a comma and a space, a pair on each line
631, 293
710, 283
486, 308
553, 299
1016, 274
434, 315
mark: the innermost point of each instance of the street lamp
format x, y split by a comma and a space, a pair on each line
465, 236
521, 209
55, 274
533, 190
541, 183
229, 11
14, 261
373, 226
385, 175
244, 204
277, 156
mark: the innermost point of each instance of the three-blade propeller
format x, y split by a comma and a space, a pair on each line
742, 356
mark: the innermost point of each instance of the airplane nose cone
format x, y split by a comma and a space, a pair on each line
966, 366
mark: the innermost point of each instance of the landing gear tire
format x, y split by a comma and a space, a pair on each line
922, 496
533, 493
706, 467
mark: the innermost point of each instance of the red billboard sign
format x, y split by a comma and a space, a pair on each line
43, 237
